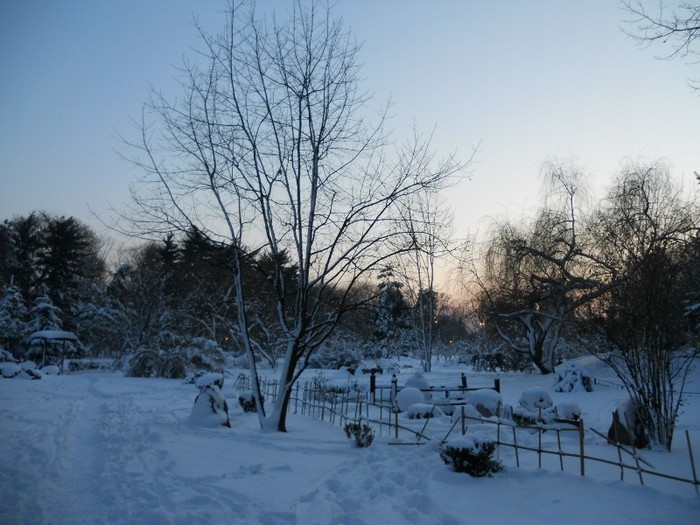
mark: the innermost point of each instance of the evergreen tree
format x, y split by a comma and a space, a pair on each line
392, 320
44, 314
13, 313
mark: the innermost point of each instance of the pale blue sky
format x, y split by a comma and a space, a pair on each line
528, 80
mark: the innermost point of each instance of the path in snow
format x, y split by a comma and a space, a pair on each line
104, 449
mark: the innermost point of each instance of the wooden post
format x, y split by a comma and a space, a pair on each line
394, 389
464, 381
692, 462
580, 440
561, 458
497, 384
464, 427
296, 398
373, 386
396, 421
539, 441
515, 446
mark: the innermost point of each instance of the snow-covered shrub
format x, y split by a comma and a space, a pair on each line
210, 409
246, 399
471, 454
335, 357
79, 365
423, 411
9, 370
204, 354
6, 357
626, 427
204, 379
536, 405
487, 401
469, 412
51, 370
418, 381
361, 434
571, 377
29, 373
567, 410
407, 397
151, 362
495, 357
535, 398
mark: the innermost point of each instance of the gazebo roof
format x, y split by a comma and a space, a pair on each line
53, 335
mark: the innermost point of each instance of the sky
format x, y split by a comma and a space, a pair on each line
525, 81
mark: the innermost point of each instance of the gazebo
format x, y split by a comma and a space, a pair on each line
50, 338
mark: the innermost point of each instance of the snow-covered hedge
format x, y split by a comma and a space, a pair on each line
423, 411
199, 355
535, 405
336, 357
571, 377
471, 454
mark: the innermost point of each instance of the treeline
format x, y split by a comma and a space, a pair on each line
164, 295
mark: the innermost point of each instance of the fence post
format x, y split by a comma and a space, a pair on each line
692, 461
394, 388
464, 381
373, 386
464, 427
396, 421
497, 384
581, 450
296, 398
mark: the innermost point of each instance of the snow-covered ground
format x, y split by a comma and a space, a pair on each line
99, 448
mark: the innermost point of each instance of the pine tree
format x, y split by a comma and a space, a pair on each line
44, 315
13, 313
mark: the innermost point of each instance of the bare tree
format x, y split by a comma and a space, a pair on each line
269, 150
678, 27
647, 232
429, 236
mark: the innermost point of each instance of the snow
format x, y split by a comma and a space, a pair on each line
57, 335
99, 447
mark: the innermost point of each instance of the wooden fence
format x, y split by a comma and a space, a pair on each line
377, 407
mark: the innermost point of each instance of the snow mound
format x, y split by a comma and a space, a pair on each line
210, 409
487, 401
409, 396
572, 378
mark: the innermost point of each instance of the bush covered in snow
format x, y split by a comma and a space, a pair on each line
487, 401
246, 399
571, 377
361, 434
210, 409
567, 410
407, 397
203, 379
626, 427
151, 362
6, 357
418, 381
423, 411
26, 370
471, 454
198, 355
335, 357
535, 405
